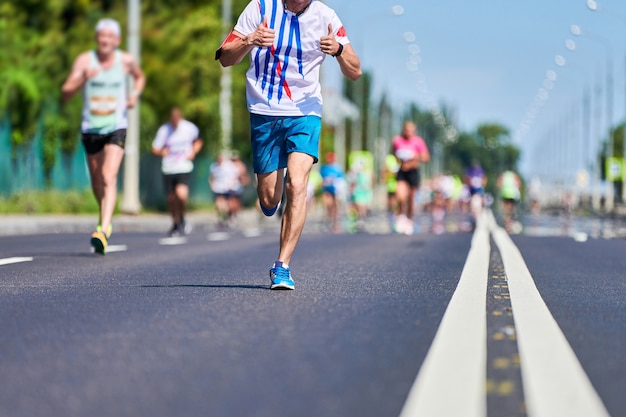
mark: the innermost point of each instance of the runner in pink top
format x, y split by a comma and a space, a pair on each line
411, 152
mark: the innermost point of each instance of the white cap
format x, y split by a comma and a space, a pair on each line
109, 24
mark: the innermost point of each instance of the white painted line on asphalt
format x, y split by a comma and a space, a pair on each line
581, 237
218, 236
252, 233
15, 260
114, 248
172, 241
555, 383
117, 248
452, 379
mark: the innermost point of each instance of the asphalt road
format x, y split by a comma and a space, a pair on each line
192, 330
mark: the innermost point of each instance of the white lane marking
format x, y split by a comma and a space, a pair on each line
452, 379
113, 248
581, 237
117, 248
252, 233
218, 236
555, 383
172, 241
15, 260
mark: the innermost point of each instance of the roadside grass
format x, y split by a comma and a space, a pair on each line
74, 202
49, 202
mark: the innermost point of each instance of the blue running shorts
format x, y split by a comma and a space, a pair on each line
275, 137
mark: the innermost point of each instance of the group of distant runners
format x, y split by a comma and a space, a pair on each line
443, 194
285, 104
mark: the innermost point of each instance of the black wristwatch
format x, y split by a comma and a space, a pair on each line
339, 51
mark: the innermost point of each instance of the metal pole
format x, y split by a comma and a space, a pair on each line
226, 105
586, 120
610, 192
595, 154
624, 140
594, 6
130, 202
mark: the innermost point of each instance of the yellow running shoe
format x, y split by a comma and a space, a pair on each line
109, 230
99, 242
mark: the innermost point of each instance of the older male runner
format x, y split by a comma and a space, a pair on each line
287, 42
101, 74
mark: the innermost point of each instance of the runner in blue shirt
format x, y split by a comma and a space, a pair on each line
331, 174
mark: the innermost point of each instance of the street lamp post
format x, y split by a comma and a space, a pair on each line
594, 6
226, 108
577, 31
589, 164
130, 201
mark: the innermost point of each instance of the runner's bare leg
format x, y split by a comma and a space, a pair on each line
402, 196
181, 196
112, 159
298, 168
270, 188
95, 162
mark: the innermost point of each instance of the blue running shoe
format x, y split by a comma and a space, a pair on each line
269, 212
281, 278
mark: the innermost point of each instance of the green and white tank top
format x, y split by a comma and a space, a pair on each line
104, 98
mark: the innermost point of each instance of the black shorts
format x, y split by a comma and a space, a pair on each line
228, 195
412, 177
94, 142
170, 181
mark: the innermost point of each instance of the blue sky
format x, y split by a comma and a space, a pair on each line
487, 58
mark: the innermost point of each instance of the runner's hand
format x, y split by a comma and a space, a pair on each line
328, 43
263, 36
132, 101
91, 72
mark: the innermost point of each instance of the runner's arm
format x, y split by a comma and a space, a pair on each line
233, 50
159, 147
348, 60
349, 63
237, 45
163, 152
425, 155
197, 145
138, 76
77, 78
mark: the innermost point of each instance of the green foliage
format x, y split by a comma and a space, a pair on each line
39, 40
21, 95
360, 93
490, 145
618, 141
428, 127
49, 202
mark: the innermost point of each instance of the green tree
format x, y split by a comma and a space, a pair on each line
39, 39
490, 145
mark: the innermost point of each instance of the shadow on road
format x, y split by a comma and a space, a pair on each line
244, 287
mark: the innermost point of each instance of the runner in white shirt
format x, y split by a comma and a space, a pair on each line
287, 42
224, 180
177, 142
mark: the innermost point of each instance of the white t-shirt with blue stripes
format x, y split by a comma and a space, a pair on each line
284, 80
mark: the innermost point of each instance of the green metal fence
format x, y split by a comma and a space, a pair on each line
21, 169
